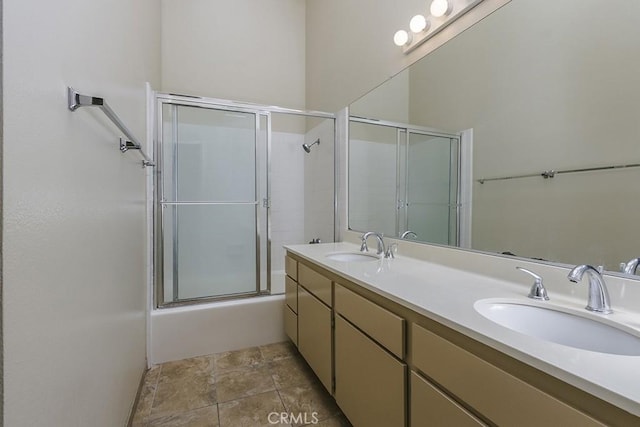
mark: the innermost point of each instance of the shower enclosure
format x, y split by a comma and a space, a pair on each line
404, 181
233, 184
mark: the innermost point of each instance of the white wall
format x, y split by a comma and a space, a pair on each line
350, 46
74, 210
243, 50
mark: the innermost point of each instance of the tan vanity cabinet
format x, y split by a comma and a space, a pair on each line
429, 407
495, 394
291, 267
315, 283
291, 293
291, 299
370, 379
314, 323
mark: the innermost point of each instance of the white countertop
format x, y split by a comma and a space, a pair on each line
448, 296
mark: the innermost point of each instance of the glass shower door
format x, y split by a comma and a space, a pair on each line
432, 187
210, 191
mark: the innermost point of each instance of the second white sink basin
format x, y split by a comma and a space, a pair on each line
560, 327
352, 257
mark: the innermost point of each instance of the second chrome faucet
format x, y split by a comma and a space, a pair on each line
598, 295
388, 252
598, 301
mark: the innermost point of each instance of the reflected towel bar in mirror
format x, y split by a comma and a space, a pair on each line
552, 173
76, 100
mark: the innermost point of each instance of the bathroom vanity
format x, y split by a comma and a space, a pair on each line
398, 342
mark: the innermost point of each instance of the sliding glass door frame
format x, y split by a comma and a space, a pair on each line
403, 136
454, 175
262, 168
263, 115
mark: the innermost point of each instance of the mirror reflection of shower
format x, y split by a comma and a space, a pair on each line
307, 147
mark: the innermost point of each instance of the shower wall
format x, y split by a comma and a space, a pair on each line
287, 199
319, 182
302, 193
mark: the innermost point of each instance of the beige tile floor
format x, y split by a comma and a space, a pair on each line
237, 389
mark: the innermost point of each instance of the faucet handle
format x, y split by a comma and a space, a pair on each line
630, 267
538, 291
392, 249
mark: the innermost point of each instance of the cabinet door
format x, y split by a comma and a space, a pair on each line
431, 408
291, 324
315, 283
314, 335
492, 392
370, 383
291, 294
291, 267
378, 323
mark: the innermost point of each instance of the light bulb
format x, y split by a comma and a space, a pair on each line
418, 24
401, 38
440, 8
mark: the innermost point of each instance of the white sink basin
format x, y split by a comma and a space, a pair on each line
352, 257
560, 327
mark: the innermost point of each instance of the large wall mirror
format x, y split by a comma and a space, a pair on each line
550, 91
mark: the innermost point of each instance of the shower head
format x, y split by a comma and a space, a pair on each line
307, 147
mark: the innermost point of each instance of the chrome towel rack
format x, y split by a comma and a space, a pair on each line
76, 100
551, 173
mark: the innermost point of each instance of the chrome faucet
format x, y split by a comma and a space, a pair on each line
630, 267
365, 248
598, 295
538, 290
408, 234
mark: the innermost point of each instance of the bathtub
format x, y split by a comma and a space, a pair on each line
196, 330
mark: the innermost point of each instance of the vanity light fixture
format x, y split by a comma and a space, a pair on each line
440, 8
418, 24
444, 11
401, 38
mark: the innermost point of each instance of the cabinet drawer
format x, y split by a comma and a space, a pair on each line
291, 267
291, 324
380, 324
370, 383
432, 408
315, 283
291, 293
497, 395
314, 335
